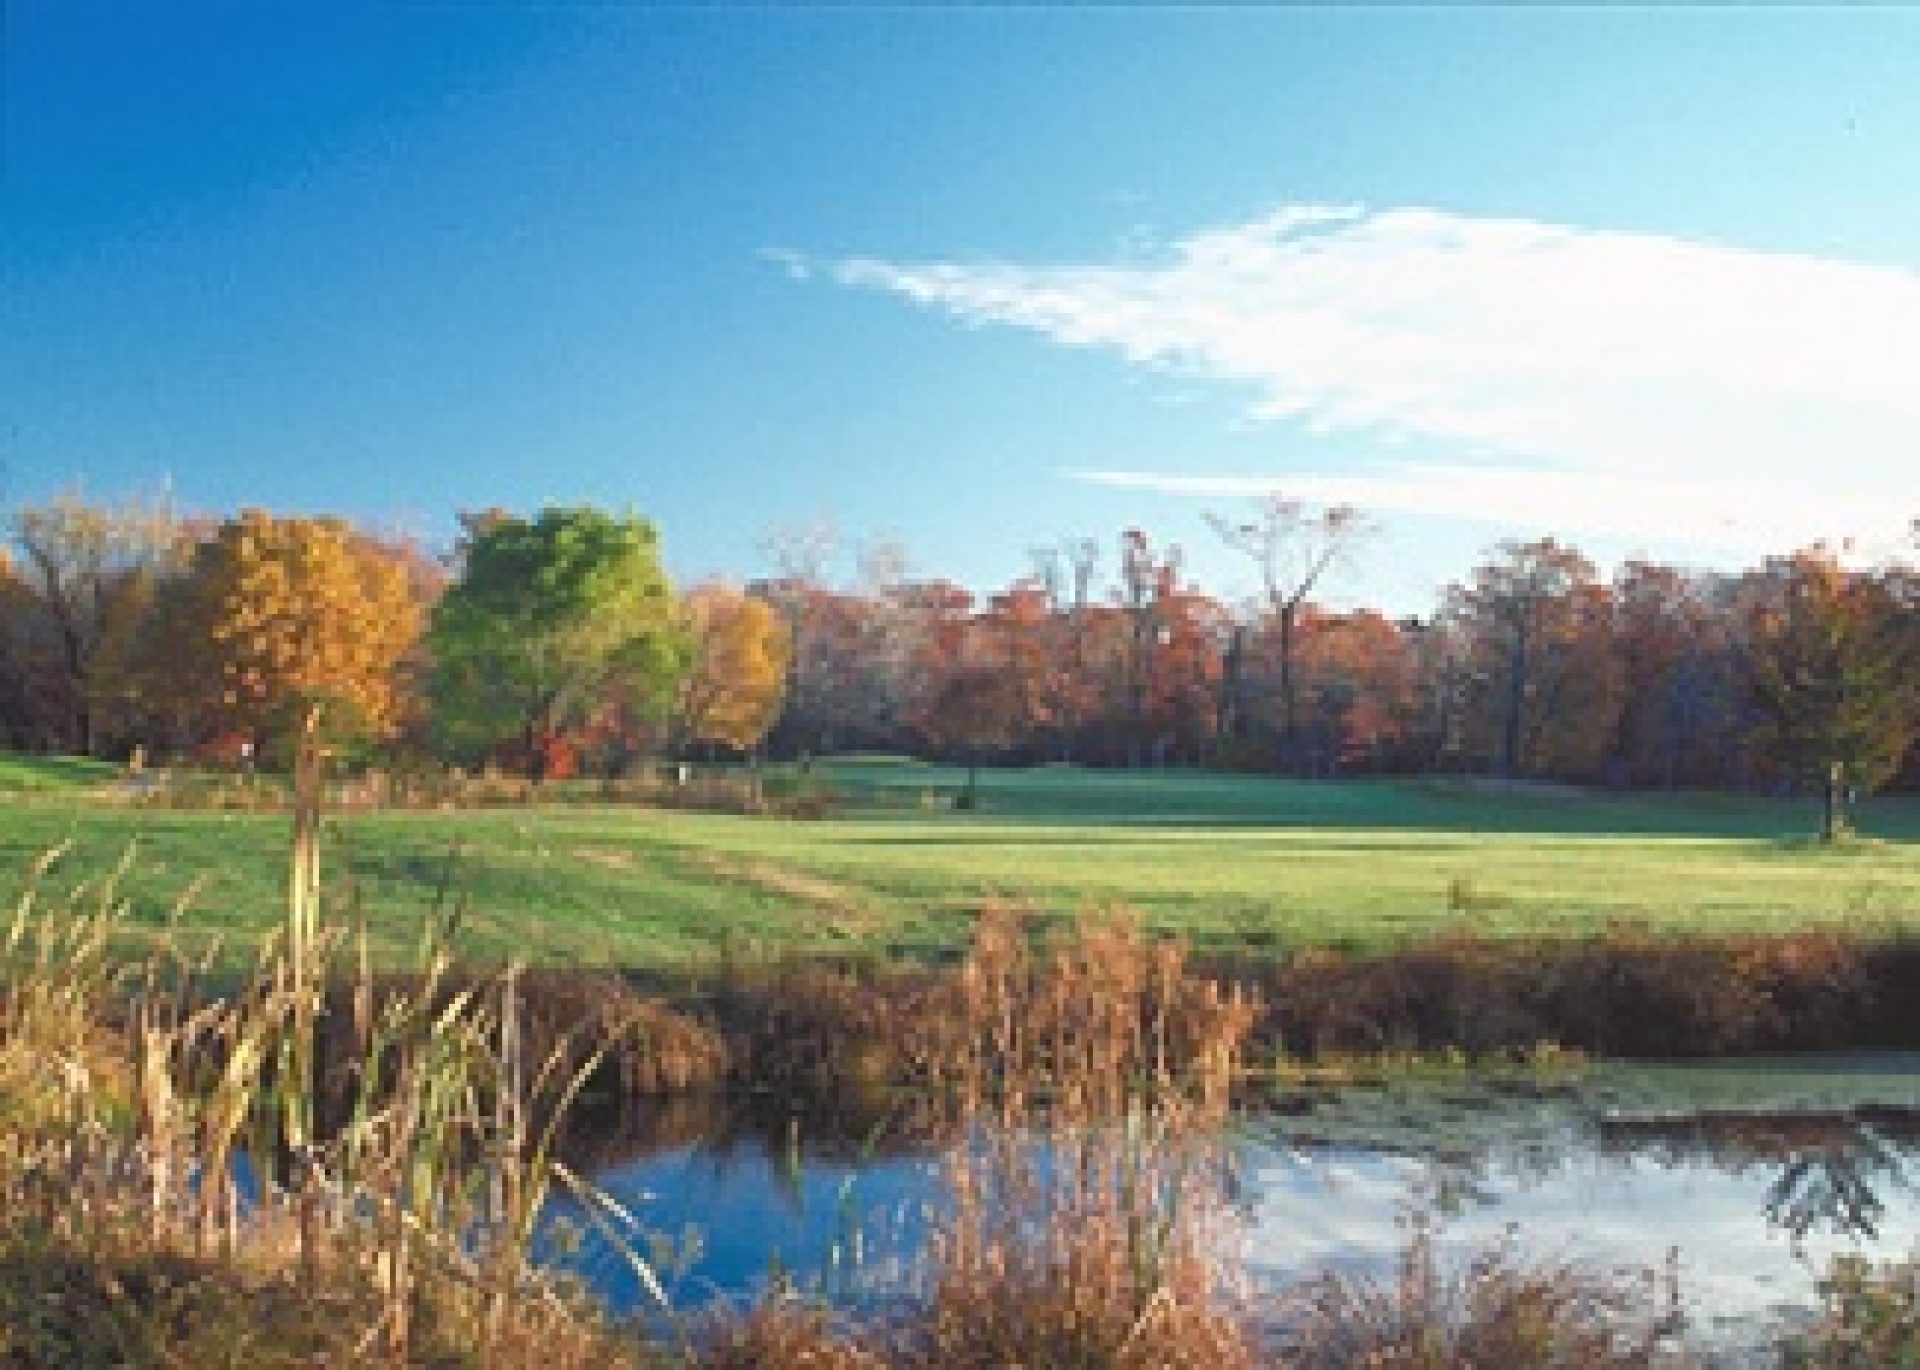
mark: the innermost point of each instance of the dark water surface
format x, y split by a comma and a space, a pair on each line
1739, 1181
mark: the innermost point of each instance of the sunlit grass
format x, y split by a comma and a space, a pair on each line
168, 1198
52, 774
1234, 864
133, 1095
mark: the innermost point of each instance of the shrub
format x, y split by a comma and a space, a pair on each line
1492, 1310
1871, 1318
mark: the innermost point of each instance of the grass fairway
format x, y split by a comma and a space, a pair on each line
52, 774
1244, 863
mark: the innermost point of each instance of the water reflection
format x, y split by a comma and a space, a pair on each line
1753, 1199
860, 1125
1831, 1172
736, 1191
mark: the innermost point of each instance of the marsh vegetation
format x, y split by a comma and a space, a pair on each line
348, 1132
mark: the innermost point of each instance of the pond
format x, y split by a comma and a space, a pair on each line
1733, 1184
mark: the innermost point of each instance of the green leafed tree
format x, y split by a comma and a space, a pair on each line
553, 621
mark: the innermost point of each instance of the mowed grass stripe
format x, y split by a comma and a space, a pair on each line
586, 885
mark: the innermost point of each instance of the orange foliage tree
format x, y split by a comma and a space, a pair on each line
288, 612
975, 708
737, 675
1355, 678
1672, 645
1028, 646
1543, 693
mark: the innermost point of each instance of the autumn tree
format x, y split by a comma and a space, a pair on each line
285, 613
801, 555
870, 682
1064, 574
932, 625
854, 683
1356, 687
1030, 647
173, 700
1680, 714
1902, 582
1439, 653
1148, 580
1573, 713
20, 724
736, 673
1294, 547
91, 569
1534, 614
549, 620
975, 708
1183, 677
1832, 664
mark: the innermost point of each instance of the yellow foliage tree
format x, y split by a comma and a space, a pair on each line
295, 611
738, 681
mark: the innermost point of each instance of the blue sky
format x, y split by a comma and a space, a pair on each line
976, 279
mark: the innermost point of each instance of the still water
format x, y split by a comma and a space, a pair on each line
1732, 1184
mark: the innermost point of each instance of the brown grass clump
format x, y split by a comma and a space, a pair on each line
55, 974
810, 1027
1088, 1223
1625, 992
96, 1301
779, 1334
647, 1046
1491, 1313
167, 1161
1871, 1318
625, 1046
82, 1306
417, 784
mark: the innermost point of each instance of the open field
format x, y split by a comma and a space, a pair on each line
1232, 863
51, 774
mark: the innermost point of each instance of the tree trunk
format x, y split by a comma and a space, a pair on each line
1516, 706
1289, 702
1230, 723
536, 754
81, 717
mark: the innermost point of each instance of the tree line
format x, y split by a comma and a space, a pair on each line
555, 644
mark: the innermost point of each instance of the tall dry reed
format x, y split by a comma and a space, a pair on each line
1492, 1309
1087, 1222
166, 1145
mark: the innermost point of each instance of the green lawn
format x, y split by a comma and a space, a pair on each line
1230, 862
52, 774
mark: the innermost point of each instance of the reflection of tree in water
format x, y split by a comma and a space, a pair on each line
1469, 1135
1828, 1171
1453, 1185
1831, 1171
720, 1126
1834, 1169
1834, 1187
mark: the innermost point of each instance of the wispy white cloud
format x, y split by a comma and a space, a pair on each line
1677, 510
1531, 374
